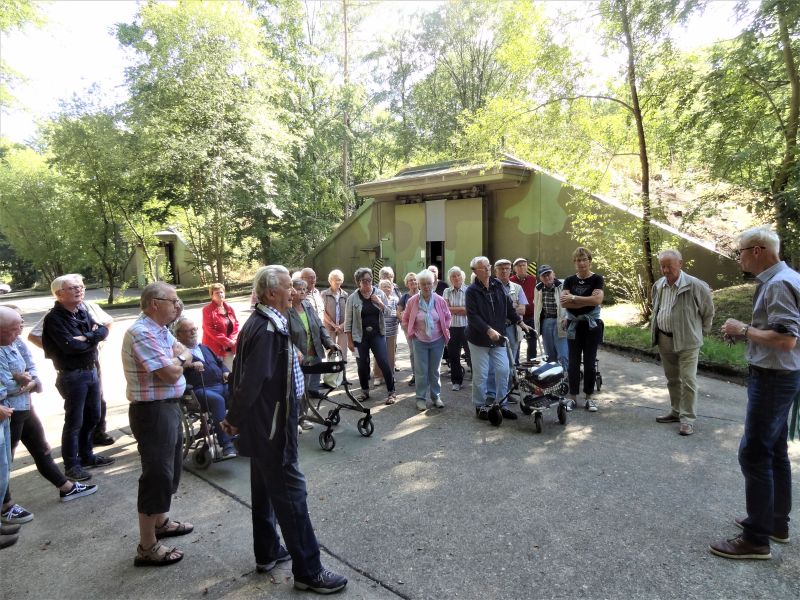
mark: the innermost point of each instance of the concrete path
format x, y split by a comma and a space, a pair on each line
433, 505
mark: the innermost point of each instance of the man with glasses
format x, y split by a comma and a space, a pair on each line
153, 361
773, 355
70, 337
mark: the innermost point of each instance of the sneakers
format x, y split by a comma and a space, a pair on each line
377, 381
78, 473
456, 387
412, 381
283, 556
98, 460
78, 490
782, 537
230, 451
438, 403
305, 424
590, 405
508, 413
686, 429
739, 548
324, 582
16, 515
670, 418
421, 405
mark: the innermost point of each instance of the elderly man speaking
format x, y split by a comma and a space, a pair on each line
682, 312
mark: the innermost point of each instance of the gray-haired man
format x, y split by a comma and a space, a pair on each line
682, 312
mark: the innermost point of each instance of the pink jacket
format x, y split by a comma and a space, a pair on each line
441, 308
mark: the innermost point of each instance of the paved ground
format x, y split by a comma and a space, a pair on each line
433, 505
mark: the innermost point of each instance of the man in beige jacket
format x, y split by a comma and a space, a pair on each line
683, 309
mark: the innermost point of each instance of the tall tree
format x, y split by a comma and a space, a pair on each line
204, 104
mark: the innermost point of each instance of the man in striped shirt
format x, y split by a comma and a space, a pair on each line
682, 312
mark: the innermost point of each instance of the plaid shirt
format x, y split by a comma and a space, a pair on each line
147, 347
279, 319
549, 305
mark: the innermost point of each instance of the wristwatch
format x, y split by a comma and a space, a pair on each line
181, 359
743, 330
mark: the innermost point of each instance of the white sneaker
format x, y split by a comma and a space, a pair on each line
456, 387
590, 405
438, 403
376, 382
422, 405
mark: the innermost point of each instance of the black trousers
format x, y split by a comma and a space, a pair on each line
27, 428
458, 340
583, 346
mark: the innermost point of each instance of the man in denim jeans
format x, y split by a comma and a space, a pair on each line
70, 337
774, 358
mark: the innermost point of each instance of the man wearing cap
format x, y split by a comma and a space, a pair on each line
549, 316
528, 284
682, 312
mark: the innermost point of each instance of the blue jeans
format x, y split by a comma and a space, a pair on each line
374, 341
5, 456
80, 390
763, 453
555, 347
482, 358
427, 358
212, 399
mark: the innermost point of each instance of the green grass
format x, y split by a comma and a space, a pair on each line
714, 353
187, 295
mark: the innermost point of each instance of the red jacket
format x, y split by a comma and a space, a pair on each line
529, 287
215, 329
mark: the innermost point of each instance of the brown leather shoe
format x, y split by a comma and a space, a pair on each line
686, 429
739, 548
782, 537
670, 418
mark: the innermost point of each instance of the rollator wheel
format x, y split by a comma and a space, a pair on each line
537, 422
333, 415
202, 457
327, 441
598, 381
563, 389
562, 413
365, 426
525, 405
495, 416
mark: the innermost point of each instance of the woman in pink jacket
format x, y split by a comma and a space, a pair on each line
426, 319
220, 327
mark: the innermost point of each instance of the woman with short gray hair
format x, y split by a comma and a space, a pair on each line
365, 327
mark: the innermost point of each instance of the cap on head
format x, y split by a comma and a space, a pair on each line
545, 269
520, 260
502, 262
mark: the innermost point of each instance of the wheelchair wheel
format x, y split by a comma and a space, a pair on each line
365, 426
537, 422
202, 457
327, 441
562, 413
188, 434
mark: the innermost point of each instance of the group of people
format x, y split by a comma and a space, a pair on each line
291, 320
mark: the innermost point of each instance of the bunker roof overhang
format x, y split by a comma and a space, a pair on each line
443, 177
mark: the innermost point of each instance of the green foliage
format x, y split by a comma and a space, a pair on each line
14, 14
34, 211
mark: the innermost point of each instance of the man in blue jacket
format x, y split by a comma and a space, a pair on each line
488, 309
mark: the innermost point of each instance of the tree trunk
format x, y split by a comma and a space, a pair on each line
785, 211
647, 249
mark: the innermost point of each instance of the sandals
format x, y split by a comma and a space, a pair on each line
157, 556
363, 396
173, 529
392, 398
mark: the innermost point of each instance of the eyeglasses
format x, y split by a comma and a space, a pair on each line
738, 253
365, 280
176, 302
75, 288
